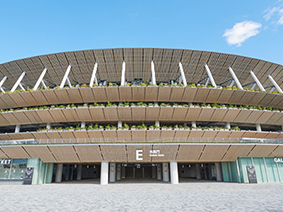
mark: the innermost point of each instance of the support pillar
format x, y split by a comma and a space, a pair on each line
165, 172
218, 172
174, 172
67, 172
17, 128
209, 172
158, 171
112, 172
120, 124
228, 126
157, 123
59, 171
194, 124
82, 124
104, 173
258, 127
48, 126
79, 172
118, 167
123, 172
153, 172
198, 171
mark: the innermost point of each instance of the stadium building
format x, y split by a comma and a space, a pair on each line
141, 113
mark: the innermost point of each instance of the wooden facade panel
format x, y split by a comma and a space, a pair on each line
257, 98
99, 94
95, 135
57, 115
167, 135
267, 99
193, 114
114, 153
45, 116
254, 116
152, 113
189, 153
112, 94
54, 135
179, 113
97, 114
278, 152
18, 99
247, 97
12, 120
276, 117
125, 113
177, 94
138, 113
3, 121
65, 154
151, 93
74, 95
33, 116
213, 95
63, 96
243, 115
125, 135
138, 135
201, 95
40, 135
125, 94
189, 94
29, 99
3, 155
153, 135
9, 101
236, 151
213, 152
111, 113
39, 97
209, 133
41, 152
206, 114
109, 134
166, 113
218, 114
23, 119
131, 149
261, 150
86, 94
88, 153
196, 134
225, 96
15, 152
51, 97
230, 115
169, 152
83, 114
138, 94
264, 117
276, 100
236, 96
164, 94
71, 115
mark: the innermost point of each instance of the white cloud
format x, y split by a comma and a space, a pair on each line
275, 14
241, 32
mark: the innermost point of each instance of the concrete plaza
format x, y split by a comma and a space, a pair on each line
142, 196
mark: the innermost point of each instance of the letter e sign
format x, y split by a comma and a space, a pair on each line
139, 155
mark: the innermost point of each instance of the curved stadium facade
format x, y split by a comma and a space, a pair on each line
163, 114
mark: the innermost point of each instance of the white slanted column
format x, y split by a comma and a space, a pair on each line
153, 79
104, 173
40, 79
82, 124
275, 84
210, 76
17, 128
228, 125
93, 76
67, 172
66, 77
48, 126
120, 124
218, 172
157, 123
174, 172
79, 172
165, 172
198, 171
257, 81
1, 84
18, 82
235, 78
194, 124
118, 171
258, 127
112, 172
183, 74
123, 78
59, 171
158, 171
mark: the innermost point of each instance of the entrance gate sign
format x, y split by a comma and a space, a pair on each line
152, 153
251, 174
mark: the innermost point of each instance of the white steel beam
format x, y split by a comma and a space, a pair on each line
1, 84
182, 74
65, 76
123, 73
43, 84
210, 76
93, 76
40, 79
18, 82
153, 79
69, 83
275, 84
235, 78
257, 81
22, 87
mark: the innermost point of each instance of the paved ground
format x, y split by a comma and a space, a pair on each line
143, 196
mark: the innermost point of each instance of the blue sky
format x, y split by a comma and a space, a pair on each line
251, 28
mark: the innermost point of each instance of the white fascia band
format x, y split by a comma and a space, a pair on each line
65, 77
210, 76
18, 82
235, 78
123, 73
40, 79
182, 74
93, 76
153, 79
257, 81
275, 84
